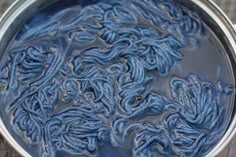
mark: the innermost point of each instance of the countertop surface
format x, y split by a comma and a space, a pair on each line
228, 6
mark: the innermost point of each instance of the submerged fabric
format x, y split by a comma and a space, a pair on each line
82, 78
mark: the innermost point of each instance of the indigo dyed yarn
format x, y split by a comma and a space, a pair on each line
80, 78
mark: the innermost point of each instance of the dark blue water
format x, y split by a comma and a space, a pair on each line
107, 78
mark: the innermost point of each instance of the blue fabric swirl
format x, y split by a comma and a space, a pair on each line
75, 130
82, 76
194, 128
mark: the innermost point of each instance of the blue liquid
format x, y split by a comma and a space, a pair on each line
107, 78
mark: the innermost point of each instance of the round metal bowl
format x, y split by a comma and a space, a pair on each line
22, 10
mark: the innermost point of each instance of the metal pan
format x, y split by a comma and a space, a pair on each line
22, 10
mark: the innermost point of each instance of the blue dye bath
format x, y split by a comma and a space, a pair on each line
116, 78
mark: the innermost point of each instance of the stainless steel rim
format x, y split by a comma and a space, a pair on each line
228, 28
208, 6
5, 22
